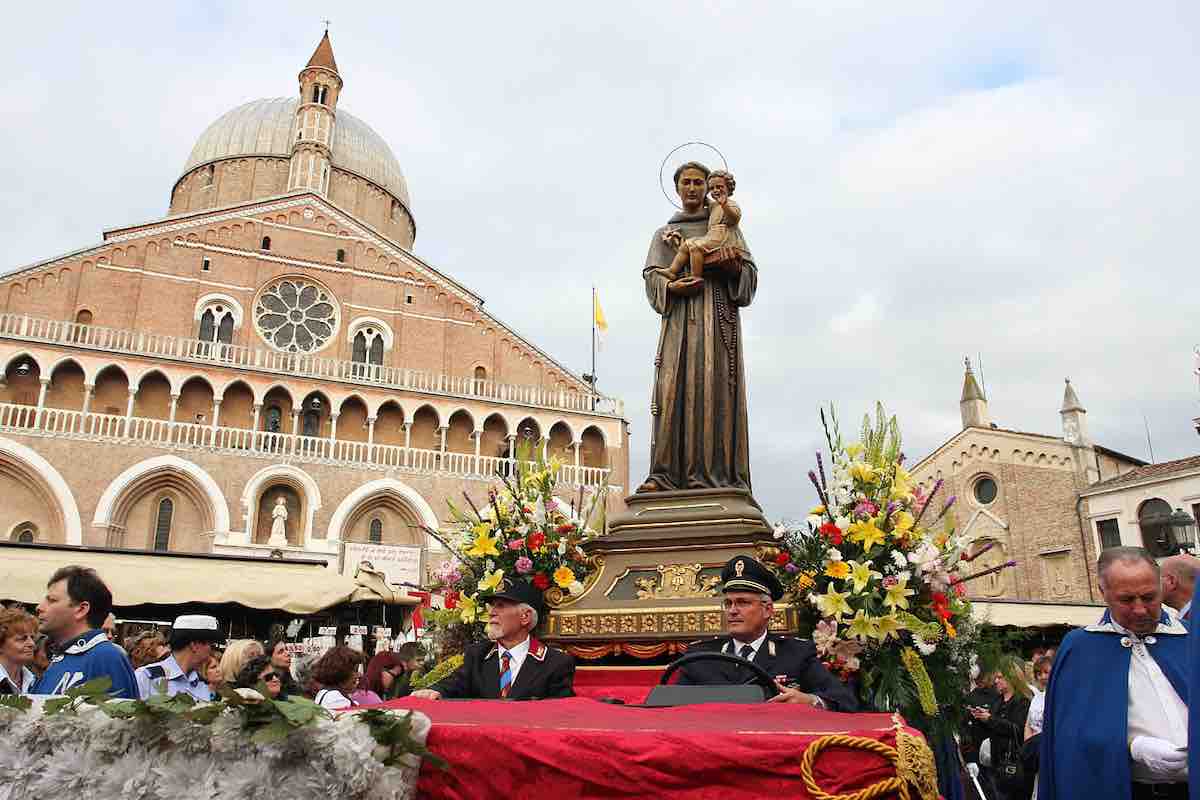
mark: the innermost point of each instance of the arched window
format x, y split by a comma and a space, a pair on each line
207, 326
26, 536
206, 177
225, 330
274, 420
316, 93
266, 243
367, 346
162, 524
341, 256
376, 535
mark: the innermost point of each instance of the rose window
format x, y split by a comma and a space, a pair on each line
296, 316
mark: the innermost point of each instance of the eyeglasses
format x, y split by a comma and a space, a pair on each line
271, 676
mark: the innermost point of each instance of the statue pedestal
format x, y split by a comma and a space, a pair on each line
659, 575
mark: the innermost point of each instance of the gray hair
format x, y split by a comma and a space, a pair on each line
1125, 555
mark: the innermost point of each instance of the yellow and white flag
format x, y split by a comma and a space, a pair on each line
601, 324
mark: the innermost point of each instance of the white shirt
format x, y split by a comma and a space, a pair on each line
1183, 612
516, 654
333, 699
1037, 711
1155, 708
755, 646
25, 682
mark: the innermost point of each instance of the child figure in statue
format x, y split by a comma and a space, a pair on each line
723, 241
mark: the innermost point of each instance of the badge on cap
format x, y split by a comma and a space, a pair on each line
739, 567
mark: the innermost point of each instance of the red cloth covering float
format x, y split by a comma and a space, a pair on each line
628, 684
580, 748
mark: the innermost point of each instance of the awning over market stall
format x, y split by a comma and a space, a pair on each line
1027, 614
139, 578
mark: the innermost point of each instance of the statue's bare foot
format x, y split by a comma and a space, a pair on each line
650, 485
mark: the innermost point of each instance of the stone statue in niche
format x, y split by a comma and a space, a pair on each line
279, 517
698, 410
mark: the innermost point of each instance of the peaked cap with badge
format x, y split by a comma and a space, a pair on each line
745, 574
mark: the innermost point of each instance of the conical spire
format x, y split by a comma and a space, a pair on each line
323, 55
971, 390
1071, 400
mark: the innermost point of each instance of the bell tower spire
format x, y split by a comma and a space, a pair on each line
316, 115
973, 404
1074, 418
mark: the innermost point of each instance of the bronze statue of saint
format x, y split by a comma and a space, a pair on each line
698, 410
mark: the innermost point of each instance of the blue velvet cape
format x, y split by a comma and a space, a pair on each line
1085, 750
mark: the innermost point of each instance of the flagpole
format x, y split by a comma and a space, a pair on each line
593, 340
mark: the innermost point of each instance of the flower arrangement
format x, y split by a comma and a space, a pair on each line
523, 533
879, 569
243, 745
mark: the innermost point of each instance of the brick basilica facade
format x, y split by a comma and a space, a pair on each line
273, 337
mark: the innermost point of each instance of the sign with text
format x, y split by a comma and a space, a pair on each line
327, 630
400, 563
358, 630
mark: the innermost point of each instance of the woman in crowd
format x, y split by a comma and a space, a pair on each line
1005, 726
237, 653
337, 674
212, 673
281, 660
385, 675
18, 635
1037, 706
262, 669
148, 647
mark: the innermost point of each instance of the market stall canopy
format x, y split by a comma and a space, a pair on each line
138, 578
1025, 614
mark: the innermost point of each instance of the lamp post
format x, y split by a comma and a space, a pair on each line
1181, 531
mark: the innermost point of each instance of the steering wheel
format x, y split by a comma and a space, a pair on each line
758, 676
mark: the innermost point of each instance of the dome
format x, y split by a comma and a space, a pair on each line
265, 128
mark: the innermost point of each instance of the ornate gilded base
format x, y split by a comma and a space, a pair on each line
659, 569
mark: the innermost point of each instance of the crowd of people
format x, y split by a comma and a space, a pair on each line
71, 641
1107, 708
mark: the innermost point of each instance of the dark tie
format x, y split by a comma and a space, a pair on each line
747, 652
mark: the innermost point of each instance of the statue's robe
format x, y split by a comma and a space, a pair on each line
698, 407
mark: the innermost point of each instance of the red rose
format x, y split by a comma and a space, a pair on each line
831, 532
782, 559
541, 581
452, 600
537, 540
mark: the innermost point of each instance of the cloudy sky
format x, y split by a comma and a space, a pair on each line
1014, 181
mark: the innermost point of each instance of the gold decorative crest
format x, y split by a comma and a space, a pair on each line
739, 567
676, 582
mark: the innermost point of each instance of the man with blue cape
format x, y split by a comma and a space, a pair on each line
1116, 717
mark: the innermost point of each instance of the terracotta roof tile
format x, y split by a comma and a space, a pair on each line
1162, 470
323, 55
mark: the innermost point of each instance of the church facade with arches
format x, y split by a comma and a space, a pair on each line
274, 338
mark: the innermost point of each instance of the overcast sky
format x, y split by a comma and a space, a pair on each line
1015, 181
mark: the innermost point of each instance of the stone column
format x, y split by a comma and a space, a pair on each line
333, 418
512, 446
216, 411
575, 446
370, 430
407, 434
295, 422
41, 404
129, 405
254, 426
89, 392
442, 431
174, 406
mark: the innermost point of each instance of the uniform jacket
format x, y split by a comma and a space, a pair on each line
795, 659
85, 657
547, 672
167, 676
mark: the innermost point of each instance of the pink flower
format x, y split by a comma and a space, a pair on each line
516, 544
524, 565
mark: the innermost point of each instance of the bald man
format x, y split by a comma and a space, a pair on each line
1178, 583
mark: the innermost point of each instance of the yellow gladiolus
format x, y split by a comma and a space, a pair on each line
862, 472
863, 627
468, 609
833, 603
484, 545
866, 534
902, 522
492, 581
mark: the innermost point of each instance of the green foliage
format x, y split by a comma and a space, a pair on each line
395, 732
881, 440
16, 702
94, 693
437, 673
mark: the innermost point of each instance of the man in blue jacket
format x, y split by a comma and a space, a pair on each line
77, 601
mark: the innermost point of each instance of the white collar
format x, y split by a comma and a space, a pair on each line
27, 678
83, 643
756, 644
1168, 624
171, 668
516, 652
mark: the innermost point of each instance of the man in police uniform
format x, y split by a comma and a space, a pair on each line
192, 638
750, 594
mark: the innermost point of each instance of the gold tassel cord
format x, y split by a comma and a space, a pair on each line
916, 774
